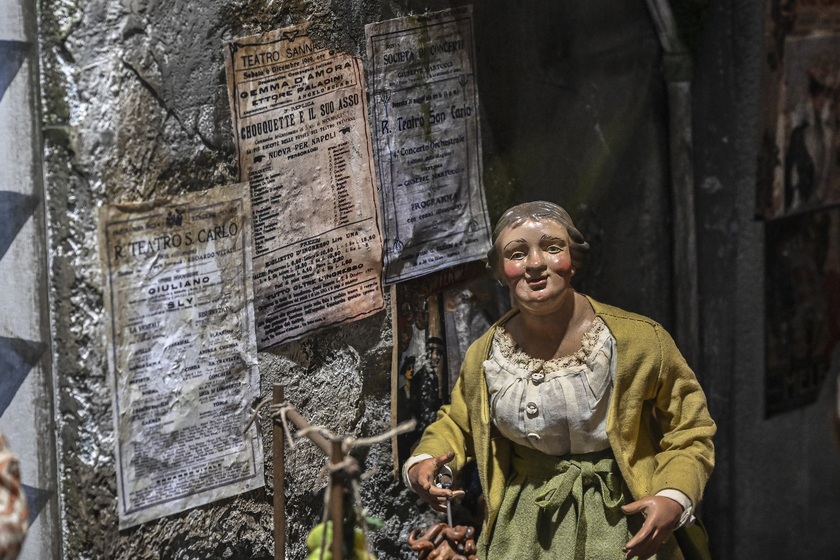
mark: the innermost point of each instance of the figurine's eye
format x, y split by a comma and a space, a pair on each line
555, 249
516, 255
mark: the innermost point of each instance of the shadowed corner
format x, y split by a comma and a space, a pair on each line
17, 358
12, 55
15, 210
36, 499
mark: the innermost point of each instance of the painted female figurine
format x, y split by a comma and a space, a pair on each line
590, 432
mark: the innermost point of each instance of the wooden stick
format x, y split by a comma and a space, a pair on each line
278, 444
336, 491
301, 424
435, 329
395, 376
342, 469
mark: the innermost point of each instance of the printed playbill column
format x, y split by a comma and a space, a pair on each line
182, 352
427, 146
300, 118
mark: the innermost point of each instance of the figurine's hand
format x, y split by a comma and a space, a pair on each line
663, 515
422, 478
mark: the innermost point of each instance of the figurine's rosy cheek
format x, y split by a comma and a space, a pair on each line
513, 269
562, 262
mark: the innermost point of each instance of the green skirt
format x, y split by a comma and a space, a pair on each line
565, 508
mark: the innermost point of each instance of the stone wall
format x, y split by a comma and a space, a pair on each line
135, 107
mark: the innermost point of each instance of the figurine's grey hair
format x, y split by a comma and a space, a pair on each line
537, 211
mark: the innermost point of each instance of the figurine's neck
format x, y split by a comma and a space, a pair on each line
555, 334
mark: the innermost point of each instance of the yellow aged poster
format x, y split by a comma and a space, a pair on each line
300, 119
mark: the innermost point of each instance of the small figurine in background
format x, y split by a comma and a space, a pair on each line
590, 433
14, 513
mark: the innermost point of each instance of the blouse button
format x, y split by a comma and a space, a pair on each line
531, 408
537, 378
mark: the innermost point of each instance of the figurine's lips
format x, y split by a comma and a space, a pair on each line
537, 282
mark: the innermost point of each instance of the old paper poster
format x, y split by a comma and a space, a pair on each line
182, 352
808, 127
799, 119
430, 342
425, 122
419, 383
300, 119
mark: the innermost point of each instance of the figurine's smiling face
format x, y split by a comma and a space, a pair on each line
536, 264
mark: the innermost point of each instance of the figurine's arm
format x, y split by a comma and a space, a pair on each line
686, 459
448, 440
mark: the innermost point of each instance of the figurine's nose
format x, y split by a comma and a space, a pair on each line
535, 259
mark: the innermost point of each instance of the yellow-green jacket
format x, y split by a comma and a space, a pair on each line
658, 424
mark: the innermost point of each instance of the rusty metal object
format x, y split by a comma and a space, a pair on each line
442, 542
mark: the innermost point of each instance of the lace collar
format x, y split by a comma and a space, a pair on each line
512, 352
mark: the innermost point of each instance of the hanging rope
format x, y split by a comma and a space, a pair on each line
281, 411
347, 472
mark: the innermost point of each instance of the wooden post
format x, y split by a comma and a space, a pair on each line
336, 491
435, 329
395, 376
278, 443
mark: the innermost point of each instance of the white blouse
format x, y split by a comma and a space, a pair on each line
556, 406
